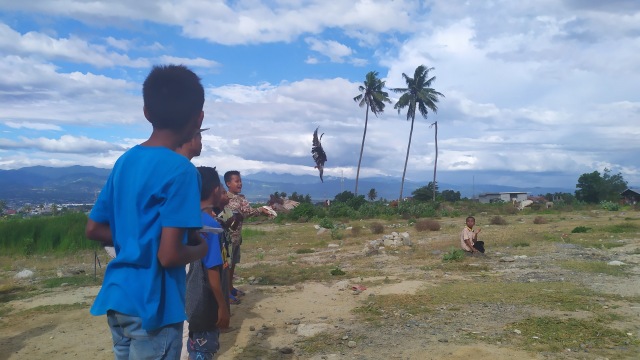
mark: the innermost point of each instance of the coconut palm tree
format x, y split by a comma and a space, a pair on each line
373, 96
417, 95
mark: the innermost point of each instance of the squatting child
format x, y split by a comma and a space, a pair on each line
469, 237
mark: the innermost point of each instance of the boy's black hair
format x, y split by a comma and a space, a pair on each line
173, 96
210, 181
469, 217
229, 174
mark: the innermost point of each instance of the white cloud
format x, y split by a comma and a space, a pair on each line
191, 62
65, 144
32, 126
334, 50
68, 49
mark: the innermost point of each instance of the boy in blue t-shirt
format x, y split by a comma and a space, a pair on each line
146, 210
206, 305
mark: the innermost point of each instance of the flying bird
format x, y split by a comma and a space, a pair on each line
319, 155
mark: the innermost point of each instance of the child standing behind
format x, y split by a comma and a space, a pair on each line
237, 204
145, 210
206, 304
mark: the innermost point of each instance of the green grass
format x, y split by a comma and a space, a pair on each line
558, 334
551, 295
305, 251
621, 228
596, 267
521, 244
288, 274
12, 292
53, 309
453, 255
73, 281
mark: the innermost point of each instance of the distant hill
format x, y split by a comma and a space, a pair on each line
81, 184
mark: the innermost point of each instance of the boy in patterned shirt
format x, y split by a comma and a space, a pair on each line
237, 204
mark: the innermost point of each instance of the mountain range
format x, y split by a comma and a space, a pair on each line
81, 184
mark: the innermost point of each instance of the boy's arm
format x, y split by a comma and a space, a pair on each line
99, 232
216, 288
246, 210
173, 252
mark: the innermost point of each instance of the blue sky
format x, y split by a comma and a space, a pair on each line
536, 93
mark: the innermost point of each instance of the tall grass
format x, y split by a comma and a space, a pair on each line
40, 235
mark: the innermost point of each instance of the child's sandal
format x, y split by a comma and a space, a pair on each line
233, 300
237, 292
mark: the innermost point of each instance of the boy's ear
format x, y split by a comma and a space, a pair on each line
200, 119
144, 110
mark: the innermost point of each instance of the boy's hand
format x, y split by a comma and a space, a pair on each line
223, 317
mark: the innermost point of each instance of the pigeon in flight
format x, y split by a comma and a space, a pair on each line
319, 155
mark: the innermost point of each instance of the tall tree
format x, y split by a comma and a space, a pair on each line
373, 194
374, 97
417, 95
593, 187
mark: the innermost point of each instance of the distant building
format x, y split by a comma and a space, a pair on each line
508, 196
631, 196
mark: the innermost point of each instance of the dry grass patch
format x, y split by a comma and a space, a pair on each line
540, 220
376, 227
498, 220
594, 267
427, 224
557, 335
552, 295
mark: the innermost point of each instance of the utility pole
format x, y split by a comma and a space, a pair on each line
342, 181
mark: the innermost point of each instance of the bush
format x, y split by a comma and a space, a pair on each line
427, 224
580, 229
341, 210
303, 210
540, 220
498, 220
453, 255
376, 228
326, 223
610, 206
355, 231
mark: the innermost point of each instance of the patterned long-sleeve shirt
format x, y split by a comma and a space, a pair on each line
238, 203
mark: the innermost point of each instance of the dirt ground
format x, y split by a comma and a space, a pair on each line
272, 322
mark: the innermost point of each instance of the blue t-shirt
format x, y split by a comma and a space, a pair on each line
149, 188
214, 255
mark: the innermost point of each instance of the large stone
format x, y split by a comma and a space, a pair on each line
406, 239
24, 274
309, 330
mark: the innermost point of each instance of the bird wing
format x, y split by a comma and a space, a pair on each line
319, 156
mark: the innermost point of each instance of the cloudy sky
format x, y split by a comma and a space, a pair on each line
536, 92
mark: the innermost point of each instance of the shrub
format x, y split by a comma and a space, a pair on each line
539, 220
427, 224
580, 229
376, 228
341, 210
305, 251
337, 271
326, 223
453, 255
355, 231
610, 206
303, 210
336, 234
498, 220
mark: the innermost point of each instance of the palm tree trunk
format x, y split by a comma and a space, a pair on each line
435, 164
406, 160
364, 135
